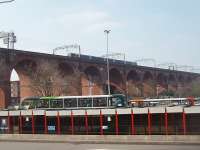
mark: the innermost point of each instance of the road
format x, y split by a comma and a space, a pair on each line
68, 146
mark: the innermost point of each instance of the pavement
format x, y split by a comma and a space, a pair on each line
105, 139
69, 146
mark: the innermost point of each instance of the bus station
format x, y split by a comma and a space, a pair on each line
177, 120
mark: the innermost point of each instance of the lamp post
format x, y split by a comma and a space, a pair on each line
116, 56
108, 72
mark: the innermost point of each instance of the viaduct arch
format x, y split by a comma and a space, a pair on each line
87, 75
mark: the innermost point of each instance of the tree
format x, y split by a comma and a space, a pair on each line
194, 89
169, 93
46, 80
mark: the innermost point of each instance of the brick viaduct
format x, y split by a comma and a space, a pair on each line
90, 75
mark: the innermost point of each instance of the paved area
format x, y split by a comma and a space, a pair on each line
106, 139
68, 146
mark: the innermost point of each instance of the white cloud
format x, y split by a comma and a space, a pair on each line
84, 21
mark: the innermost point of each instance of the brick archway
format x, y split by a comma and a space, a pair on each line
92, 81
172, 84
66, 69
148, 84
133, 84
162, 86
180, 85
116, 80
69, 79
23, 69
114, 89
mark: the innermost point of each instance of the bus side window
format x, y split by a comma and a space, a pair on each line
113, 101
57, 103
85, 102
31, 104
38, 104
100, 102
70, 103
43, 103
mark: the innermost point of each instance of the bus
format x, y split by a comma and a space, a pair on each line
165, 102
74, 102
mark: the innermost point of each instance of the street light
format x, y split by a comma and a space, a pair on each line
108, 73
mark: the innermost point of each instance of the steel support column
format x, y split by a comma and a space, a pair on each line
116, 123
58, 122
9, 123
184, 122
101, 123
166, 122
86, 122
20, 123
45, 123
72, 123
33, 123
132, 123
149, 122
173, 123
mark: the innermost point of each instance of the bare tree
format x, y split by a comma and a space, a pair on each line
46, 80
194, 89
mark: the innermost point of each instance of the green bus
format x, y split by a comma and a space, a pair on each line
74, 102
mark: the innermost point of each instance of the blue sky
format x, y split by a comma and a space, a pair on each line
165, 30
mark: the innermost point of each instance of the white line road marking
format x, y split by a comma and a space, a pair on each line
99, 149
